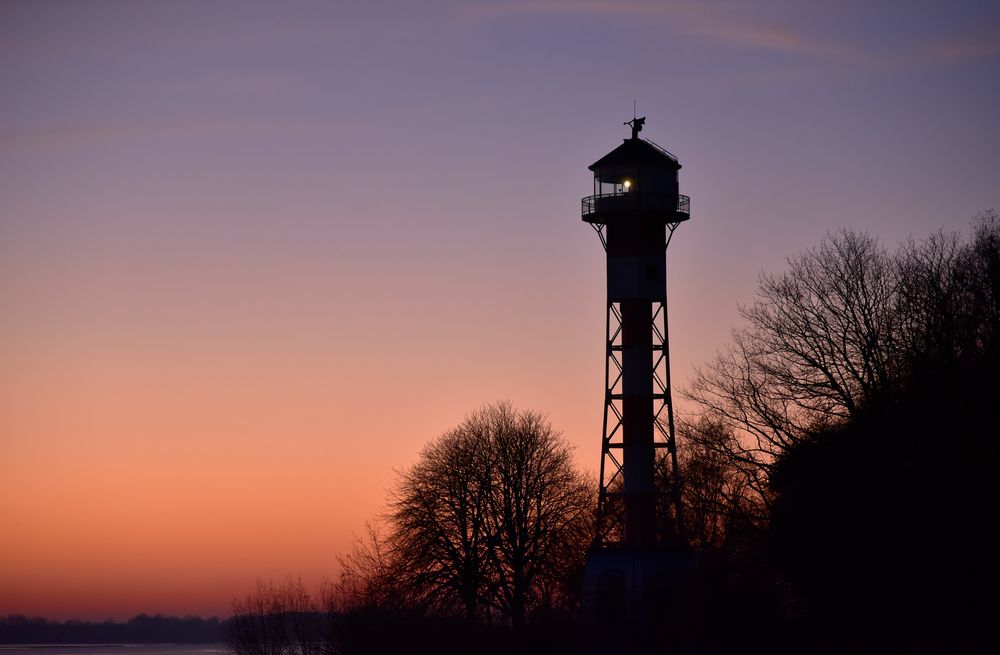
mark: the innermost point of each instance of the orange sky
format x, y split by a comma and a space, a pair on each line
251, 260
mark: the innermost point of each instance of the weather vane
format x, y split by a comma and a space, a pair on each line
636, 123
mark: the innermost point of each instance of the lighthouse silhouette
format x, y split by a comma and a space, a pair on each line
637, 563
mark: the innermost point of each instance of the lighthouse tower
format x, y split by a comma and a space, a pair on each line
635, 208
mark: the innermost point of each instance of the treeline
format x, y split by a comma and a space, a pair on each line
850, 434
838, 486
140, 629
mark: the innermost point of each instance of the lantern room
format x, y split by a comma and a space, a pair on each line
636, 177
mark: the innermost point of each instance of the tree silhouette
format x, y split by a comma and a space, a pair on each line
276, 620
858, 403
839, 329
539, 509
877, 521
818, 343
492, 516
438, 520
721, 499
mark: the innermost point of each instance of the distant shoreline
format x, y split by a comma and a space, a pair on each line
8, 646
140, 631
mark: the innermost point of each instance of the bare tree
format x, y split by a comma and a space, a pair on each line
949, 297
840, 328
439, 523
819, 341
275, 620
721, 494
492, 516
981, 267
539, 514
371, 579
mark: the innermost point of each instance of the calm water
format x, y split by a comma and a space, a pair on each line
118, 649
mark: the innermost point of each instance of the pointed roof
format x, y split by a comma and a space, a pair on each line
639, 152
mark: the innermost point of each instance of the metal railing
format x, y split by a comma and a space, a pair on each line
635, 201
661, 149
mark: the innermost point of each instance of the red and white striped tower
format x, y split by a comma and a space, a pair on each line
635, 209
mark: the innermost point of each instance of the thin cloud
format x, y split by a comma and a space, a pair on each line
565, 7
719, 22
968, 47
773, 38
691, 19
61, 136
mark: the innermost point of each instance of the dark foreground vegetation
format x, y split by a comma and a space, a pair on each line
838, 482
140, 629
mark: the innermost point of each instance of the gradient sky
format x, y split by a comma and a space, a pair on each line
254, 255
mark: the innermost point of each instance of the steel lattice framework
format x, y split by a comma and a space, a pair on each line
612, 438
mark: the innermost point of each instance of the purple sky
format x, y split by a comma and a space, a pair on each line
339, 226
